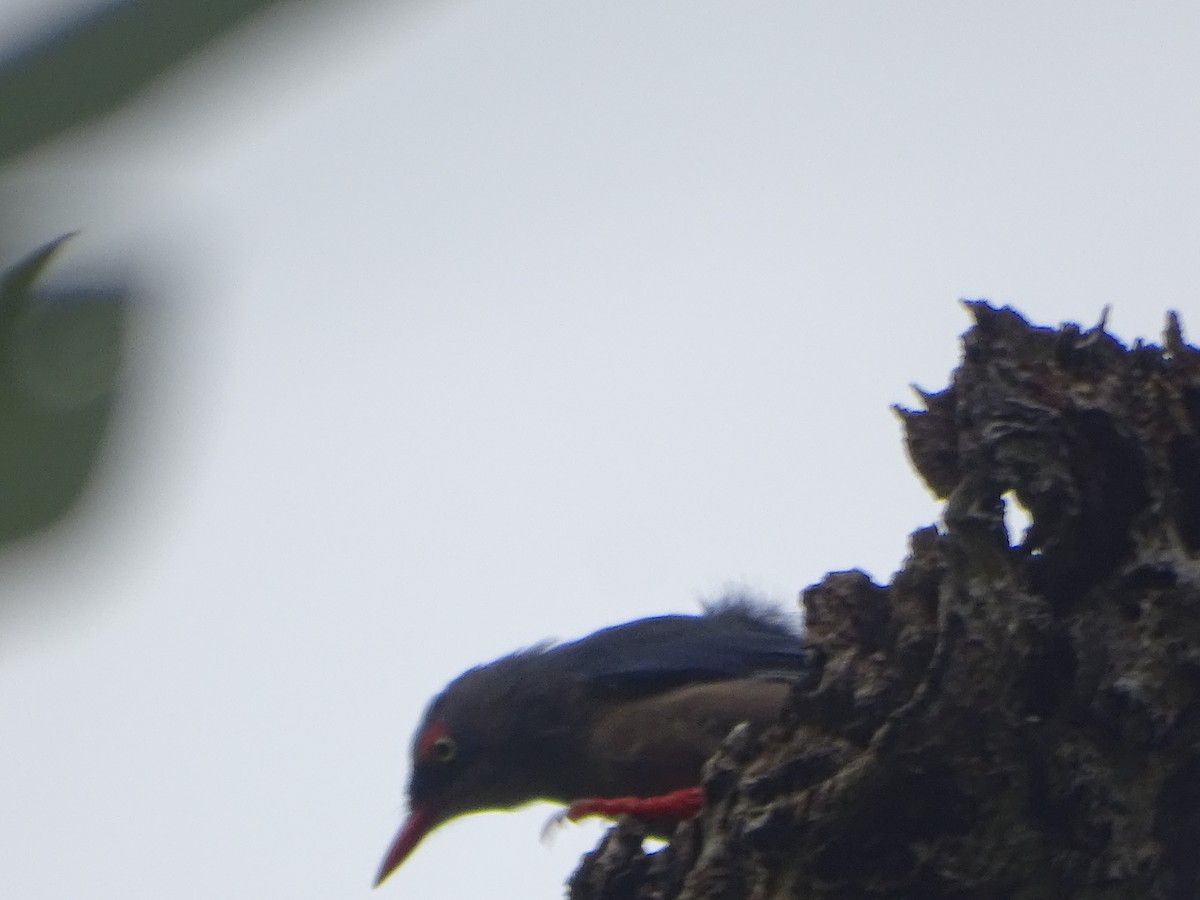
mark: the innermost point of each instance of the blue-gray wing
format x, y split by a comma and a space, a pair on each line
733, 640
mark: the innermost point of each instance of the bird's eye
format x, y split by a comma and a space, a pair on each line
443, 749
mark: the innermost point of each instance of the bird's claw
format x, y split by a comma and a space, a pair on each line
580, 809
554, 823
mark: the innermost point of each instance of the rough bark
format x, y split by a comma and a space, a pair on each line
1010, 718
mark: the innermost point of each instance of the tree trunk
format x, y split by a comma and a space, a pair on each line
1010, 718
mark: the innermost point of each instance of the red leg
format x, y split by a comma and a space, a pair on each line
674, 807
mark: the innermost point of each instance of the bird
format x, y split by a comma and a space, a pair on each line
620, 721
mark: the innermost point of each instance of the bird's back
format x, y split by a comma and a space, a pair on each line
729, 641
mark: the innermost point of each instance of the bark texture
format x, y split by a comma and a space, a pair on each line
1011, 718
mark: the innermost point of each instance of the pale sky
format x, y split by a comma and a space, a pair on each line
473, 324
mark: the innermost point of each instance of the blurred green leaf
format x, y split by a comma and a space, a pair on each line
60, 355
96, 63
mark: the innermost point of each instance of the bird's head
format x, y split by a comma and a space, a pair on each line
475, 749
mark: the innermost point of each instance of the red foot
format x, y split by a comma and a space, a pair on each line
674, 807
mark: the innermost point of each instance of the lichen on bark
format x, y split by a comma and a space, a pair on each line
1014, 716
